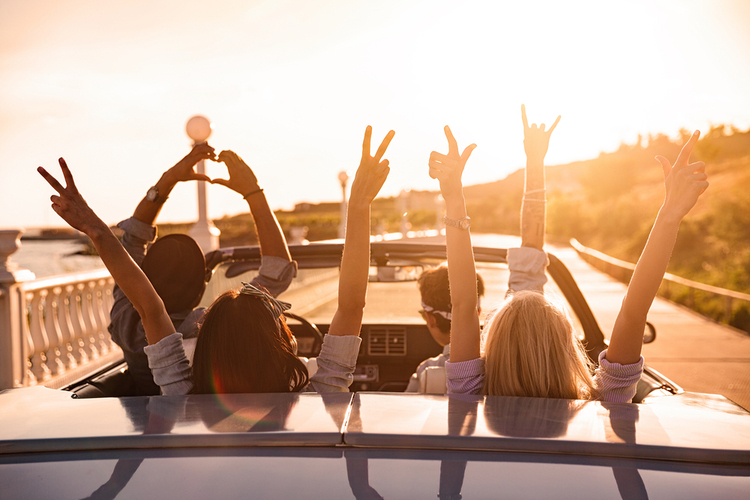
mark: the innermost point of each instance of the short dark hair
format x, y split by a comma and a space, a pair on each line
176, 267
243, 347
435, 291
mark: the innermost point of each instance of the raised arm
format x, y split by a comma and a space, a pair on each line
70, 205
533, 208
462, 274
684, 183
355, 261
243, 181
148, 209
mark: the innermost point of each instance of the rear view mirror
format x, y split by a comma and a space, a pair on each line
649, 333
390, 274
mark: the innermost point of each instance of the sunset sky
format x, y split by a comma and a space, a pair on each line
291, 85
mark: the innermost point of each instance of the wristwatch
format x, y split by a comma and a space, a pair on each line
464, 223
152, 195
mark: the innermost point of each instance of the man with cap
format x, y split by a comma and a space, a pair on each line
176, 265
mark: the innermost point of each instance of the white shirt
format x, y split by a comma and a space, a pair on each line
438, 360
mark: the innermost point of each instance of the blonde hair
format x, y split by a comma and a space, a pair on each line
530, 350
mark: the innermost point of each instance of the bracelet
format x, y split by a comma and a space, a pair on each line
259, 190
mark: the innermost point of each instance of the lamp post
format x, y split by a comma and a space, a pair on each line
343, 178
403, 206
204, 232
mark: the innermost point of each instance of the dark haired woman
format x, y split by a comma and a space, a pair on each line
234, 354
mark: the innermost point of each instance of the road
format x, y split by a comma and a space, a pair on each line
696, 353
693, 351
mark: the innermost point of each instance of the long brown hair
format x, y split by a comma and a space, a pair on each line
243, 347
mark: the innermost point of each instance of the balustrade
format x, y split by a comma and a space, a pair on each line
54, 330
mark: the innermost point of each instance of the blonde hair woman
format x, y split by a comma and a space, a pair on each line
530, 348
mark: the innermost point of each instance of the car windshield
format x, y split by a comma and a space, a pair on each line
392, 294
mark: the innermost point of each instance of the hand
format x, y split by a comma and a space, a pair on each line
684, 182
184, 169
70, 205
536, 140
241, 177
372, 172
449, 168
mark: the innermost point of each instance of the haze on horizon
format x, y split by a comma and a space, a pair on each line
290, 86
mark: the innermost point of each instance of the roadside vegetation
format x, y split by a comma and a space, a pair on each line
607, 203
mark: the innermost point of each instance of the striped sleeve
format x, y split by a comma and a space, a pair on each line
615, 382
465, 377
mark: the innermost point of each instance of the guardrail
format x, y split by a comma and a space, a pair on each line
53, 331
623, 271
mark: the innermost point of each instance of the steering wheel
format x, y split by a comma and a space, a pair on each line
311, 328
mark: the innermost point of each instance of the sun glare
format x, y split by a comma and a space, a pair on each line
290, 86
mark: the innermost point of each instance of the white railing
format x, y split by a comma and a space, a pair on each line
53, 331
623, 271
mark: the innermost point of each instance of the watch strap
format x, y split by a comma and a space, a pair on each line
464, 223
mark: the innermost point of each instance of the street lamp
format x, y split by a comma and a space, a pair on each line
403, 206
343, 178
204, 232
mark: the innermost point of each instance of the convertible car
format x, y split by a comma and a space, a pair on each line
93, 440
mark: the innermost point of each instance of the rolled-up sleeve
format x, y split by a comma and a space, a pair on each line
615, 382
275, 274
527, 269
465, 377
136, 237
336, 363
170, 366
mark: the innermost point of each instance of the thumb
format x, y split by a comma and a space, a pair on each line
665, 166
222, 182
467, 152
200, 177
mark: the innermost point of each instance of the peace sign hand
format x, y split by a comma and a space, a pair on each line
70, 205
684, 182
536, 140
449, 168
372, 172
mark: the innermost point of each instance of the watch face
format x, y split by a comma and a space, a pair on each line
464, 223
152, 194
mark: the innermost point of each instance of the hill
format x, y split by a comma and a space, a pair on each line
608, 203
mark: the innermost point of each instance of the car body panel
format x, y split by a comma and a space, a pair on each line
37, 419
686, 427
355, 445
678, 428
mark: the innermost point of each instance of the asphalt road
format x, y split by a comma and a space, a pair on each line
696, 353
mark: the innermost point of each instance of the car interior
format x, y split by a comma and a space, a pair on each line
395, 339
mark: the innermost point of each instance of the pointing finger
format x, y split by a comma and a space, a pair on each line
554, 124
69, 182
684, 155
523, 117
452, 144
384, 145
366, 143
51, 180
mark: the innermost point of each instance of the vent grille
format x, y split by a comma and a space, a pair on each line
386, 341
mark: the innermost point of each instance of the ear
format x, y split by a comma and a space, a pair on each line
430, 320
